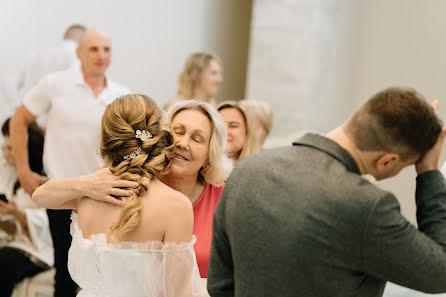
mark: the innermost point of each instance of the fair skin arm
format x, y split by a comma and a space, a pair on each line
66, 193
19, 123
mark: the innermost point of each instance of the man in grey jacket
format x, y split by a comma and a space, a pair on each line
303, 221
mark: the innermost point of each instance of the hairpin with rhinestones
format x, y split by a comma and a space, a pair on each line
143, 135
133, 154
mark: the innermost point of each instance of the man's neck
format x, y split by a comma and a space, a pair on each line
95, 82
339, 136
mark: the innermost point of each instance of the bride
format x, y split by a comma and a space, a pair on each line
141, 245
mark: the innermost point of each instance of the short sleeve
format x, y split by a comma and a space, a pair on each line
38, 99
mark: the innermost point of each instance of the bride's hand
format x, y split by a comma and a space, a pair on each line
104, 186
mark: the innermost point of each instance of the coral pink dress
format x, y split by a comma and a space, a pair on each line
203, 214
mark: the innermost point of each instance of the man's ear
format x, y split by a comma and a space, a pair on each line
385, 161
77, 53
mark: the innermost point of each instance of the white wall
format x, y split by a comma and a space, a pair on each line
316, 62
403, 42
334, 64
150, 39
281, 35
303, 61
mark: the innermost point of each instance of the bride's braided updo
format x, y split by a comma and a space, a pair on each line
121, 119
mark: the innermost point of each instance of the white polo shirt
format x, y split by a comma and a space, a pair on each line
74, 121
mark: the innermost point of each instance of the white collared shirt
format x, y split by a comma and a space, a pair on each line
74, 121
443, 169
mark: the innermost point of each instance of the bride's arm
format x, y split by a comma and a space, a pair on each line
66, 193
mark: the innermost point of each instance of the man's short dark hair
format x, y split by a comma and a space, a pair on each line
74, 32
395, 120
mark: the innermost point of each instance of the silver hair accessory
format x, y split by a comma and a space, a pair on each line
133, 154
143, 135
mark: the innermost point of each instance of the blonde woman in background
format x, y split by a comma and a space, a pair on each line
200, 79
240, 126
142, 245
262, 114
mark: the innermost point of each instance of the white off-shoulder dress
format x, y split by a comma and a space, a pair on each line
134, 269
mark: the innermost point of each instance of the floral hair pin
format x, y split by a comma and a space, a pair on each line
133, 154
143, 135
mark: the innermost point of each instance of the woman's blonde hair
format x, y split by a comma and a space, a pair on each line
121, 119
219, 166
261, 111
250, 146
191, 78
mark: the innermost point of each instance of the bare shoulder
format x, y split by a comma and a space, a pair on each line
172, 208
96, 216
175, 214
174, 200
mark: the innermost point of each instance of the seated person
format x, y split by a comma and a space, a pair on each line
31, 250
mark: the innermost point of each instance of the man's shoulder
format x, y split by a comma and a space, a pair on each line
50, 84
365, 188
307, 167
62, 76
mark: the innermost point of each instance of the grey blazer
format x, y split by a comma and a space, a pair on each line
301, 221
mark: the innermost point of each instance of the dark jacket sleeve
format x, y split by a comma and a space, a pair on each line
397, 251
220, 271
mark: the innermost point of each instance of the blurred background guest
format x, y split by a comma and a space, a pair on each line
74, 101
31, 250
242, 138
200, 79
262, 114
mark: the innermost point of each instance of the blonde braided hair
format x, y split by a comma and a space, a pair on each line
121, 119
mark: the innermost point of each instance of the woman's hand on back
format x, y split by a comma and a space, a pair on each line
104, 186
